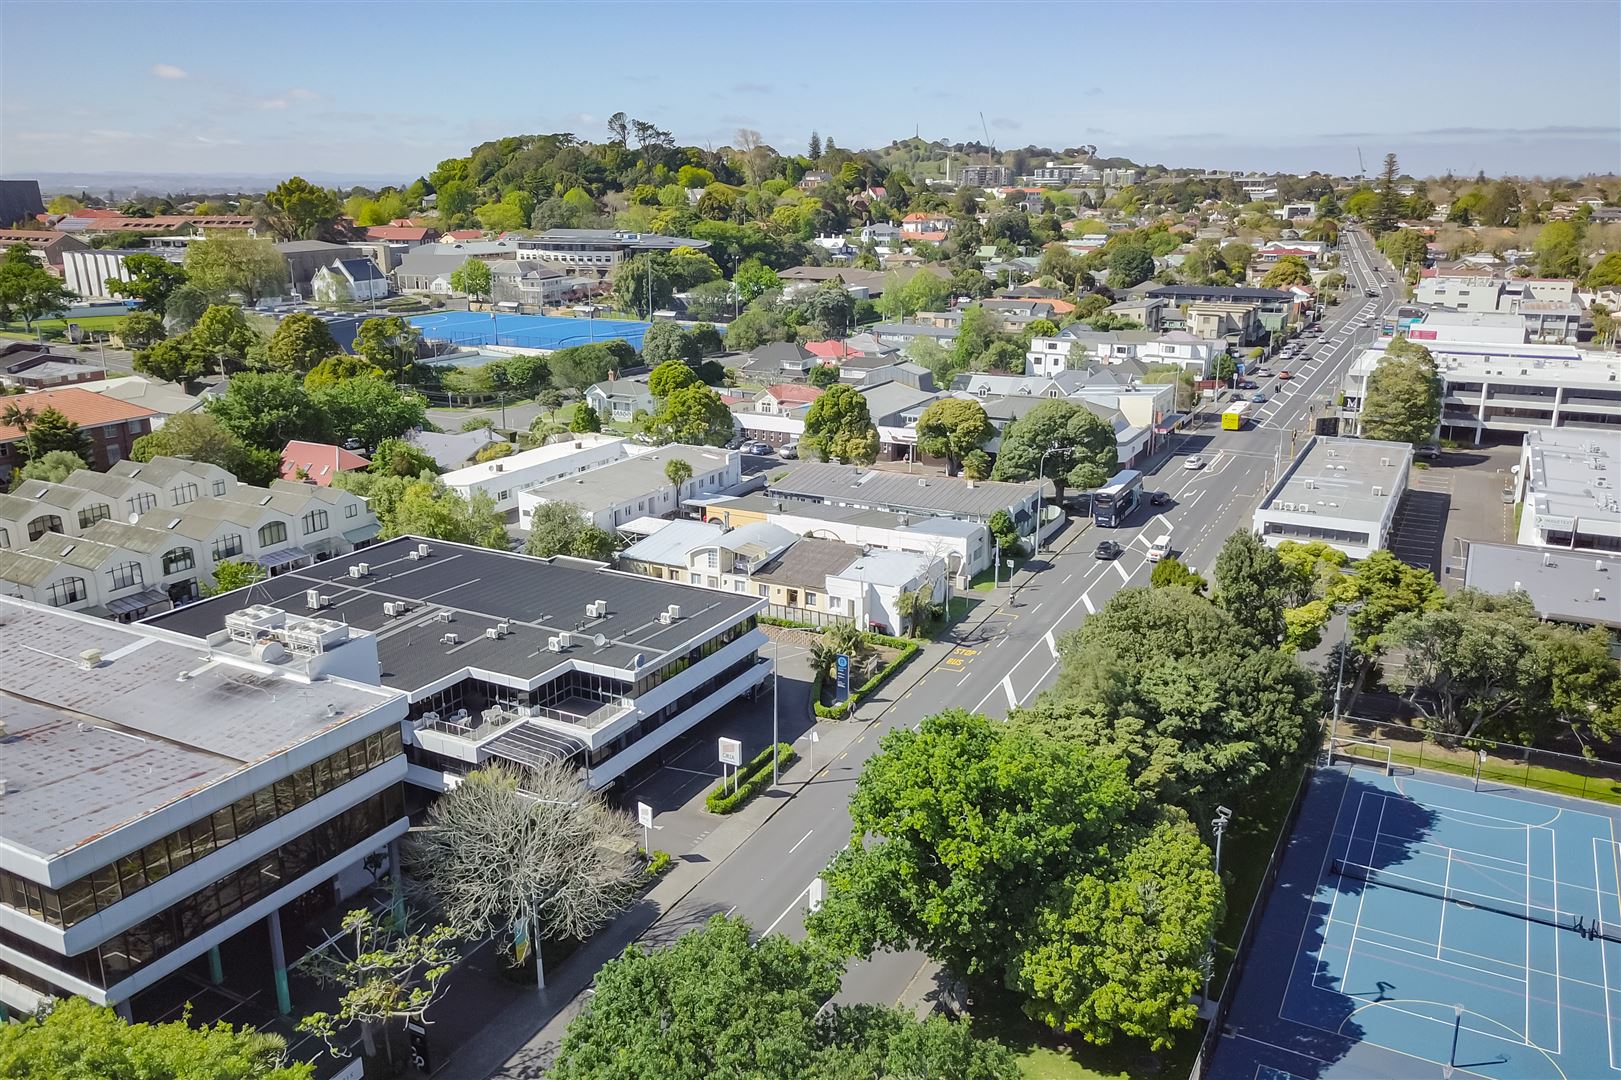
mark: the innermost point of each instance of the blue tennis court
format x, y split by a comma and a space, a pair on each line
1419, 928
525, 331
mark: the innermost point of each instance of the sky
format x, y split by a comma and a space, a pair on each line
386, 90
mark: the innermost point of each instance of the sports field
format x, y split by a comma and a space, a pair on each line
1420, 928
524, 331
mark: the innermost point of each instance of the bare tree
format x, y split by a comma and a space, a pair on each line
525, 856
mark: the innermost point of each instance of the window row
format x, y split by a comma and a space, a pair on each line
118, 957
106, 886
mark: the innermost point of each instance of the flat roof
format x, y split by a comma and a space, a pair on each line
611, 484
479, 587
1473, 318
1576, 473
1344, 478
89, 749
1565, 586
871, 487
527, 459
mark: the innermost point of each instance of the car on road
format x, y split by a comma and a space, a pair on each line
1248, 384
1159, 498
758, 449
1284, 375
1107, 550
1258, 397
1193, 462
1370, 292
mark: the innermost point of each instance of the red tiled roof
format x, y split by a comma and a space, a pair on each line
793, 392
464, 234
397, 232
827, 350
83, 407
320, 462
920, 216
31, 237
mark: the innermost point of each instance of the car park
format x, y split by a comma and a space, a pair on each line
1107, 550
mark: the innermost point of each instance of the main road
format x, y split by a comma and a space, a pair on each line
1013, 653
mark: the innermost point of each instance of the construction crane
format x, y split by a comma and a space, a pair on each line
1361, 169
987, 132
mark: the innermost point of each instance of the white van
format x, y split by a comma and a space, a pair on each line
1160, 549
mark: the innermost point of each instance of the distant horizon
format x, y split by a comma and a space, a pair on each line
1331, 80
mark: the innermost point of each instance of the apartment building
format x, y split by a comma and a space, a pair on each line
825, 483
985, 176
596, 251
110, 425
1569, 485
1343, 492
633, 487
505, 478
1049, 356
148, 535
509, 658
164, 794
1545, 309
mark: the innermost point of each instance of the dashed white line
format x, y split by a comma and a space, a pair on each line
801, 840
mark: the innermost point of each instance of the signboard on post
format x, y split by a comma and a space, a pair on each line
731, 752
841, 671
644, 815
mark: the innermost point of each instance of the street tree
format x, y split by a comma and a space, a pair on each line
953, 428
1170, 573
1385, 587
521, 857
1287, 271
230, 261
52, 430
299, 210
384, 974
196, 436
141, 330
1387, 206
1403, 399
232, 574
839, 427
753, 278
299, 342
669, 376
666, 341
339, 367
265, 410
223, 338
1087, 453
1002, 854
644, 284
152, 280
183, 308
1253, 586
76, 1040
694, 415
368, 410
53, 466
559, 528
28, 290
429, 509
579, 367
677, 471
473, 278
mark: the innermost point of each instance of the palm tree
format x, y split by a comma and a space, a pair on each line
677, 472
18, 416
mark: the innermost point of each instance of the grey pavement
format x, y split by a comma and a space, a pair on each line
759, 863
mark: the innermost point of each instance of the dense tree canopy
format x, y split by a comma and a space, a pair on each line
839, 427
953, 428
1087, 456
1403, 400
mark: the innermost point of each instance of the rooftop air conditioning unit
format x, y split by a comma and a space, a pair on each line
365, 568
412, 555
1377, 490
89, 659
450, 639
554, 645
565, 639
1598, 594
675, 611
504, 626
494, 633
664, 618
1385, 462
355, 572
312, 598
443, 615
424, 550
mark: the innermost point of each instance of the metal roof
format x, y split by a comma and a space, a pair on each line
932, 494
1582, 587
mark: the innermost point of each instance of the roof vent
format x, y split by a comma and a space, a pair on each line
450, 639
1598, 564
90, 658
1377, 490
443, 615
1517, 587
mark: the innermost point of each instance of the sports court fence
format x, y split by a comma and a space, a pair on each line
1492, 762
1246, 939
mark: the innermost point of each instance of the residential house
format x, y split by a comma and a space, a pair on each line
504, 479
634, 487
621, 399
785, 398
349, 281
47, 245
110, 426
902, 493
35, 367
452, 449
1236, 322
404, 237
1147, 311
306, 258
781, 359
596, 252
317, 463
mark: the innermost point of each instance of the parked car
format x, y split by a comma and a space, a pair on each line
1107, 550
1193, 462
1159, 498
1248, 384
789, 451
1429, 452
759, 449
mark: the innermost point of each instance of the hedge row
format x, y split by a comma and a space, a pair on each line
771, 620
752, 779
908, 649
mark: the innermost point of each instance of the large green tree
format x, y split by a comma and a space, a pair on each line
265, 410
75, 1040
230, 261
368, 410
223, 338
427, 508
1253, 586
953, 428
1087, 451
1003, 855
666, 341
299, 210
1287, 271
28, 290
200, 437
51, 430
694, 415
152, 279
389, 343
141, 329
557, 528
1387, 207
1403, 399
473, 278
1130, 264
299, 342
839, 427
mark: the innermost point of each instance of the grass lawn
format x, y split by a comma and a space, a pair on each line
985, 581
59, 327
1044, 1055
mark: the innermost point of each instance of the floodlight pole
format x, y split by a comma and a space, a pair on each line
1339, 683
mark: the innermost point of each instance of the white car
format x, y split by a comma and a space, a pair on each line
1193, 462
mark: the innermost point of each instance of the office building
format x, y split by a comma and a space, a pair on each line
1569, 483
1577, 588
1343, 492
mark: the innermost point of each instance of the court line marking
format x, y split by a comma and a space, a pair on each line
1376, 943
1441, 930
1604, 959
1317, 888
1558, 978
1448, 1008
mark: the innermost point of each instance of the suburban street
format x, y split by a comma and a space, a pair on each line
1005, 652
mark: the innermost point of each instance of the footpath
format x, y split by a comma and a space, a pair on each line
523, 1027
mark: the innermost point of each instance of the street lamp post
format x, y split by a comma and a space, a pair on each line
1218, 827
1339, 683
776, 660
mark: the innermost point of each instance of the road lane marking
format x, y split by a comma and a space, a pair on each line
1007, 684
1087, 600
1051, 644
786, 910
1037, 686
1037, 608
802, 839
966, 676
1123, 575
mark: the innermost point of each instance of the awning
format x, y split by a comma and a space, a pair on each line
140, 601
364, 533
275, 560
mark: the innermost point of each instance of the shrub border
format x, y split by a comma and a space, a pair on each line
751, 780
908, 650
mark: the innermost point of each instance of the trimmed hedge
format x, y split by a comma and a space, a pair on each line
789, 624
907, 648
751, 780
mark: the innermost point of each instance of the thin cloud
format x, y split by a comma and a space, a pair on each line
169, 71
1005, 122
751, 88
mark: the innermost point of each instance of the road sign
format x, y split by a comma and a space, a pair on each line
731, 752
644, 815
817, 889
841, 670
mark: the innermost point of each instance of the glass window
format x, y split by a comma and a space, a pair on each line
5, 538
351, 510
45, 523
219, 487
315, 521
67, 591
125, 576
272, 532
178, 559
226, 547
183, 493
92, 514
141, 502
